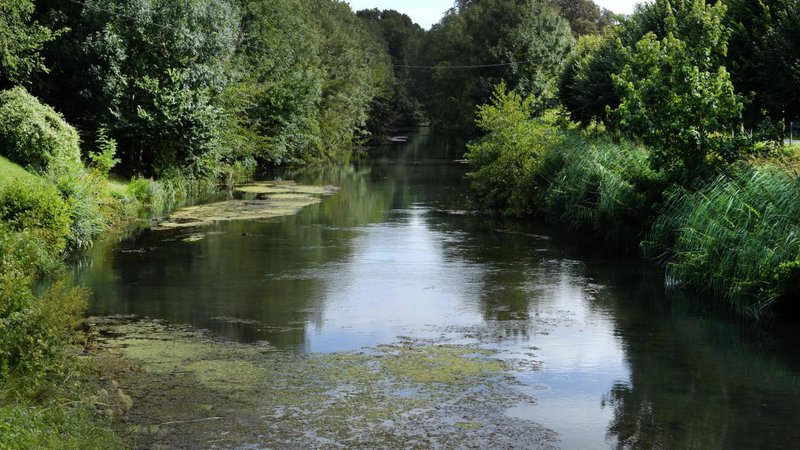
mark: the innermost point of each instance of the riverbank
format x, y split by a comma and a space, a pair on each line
733, 236
50, 393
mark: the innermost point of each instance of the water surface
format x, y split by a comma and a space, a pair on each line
613, 361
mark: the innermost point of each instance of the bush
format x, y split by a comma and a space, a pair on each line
738, 238
54, 426
33, 134
506, 161
28, 252
83, 191
34, 332
105, 158
527, 166
36, 206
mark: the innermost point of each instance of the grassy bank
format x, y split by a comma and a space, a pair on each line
735, 237
52, 204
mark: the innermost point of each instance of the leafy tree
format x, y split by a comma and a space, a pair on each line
273, 105
403, 40
763, 57
151, 73
586, 88
675, 95
21, 40
584, 16
357, 71
523, 42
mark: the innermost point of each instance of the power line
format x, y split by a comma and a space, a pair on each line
478, 66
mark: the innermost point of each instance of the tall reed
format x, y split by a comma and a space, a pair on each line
738, 238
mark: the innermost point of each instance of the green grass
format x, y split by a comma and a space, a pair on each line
54, 426
10, 171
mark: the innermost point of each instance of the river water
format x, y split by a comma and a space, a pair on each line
613, 361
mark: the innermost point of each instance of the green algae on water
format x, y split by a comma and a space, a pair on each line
285, 187
272, 199
196, 390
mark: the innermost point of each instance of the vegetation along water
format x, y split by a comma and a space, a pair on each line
286, 224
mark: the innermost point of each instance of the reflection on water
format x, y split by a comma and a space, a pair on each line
609, 360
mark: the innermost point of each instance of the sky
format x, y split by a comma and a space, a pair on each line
428, 12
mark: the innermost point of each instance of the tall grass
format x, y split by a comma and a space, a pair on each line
738, 238
600, 185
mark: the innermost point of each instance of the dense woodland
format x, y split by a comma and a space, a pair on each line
663, 130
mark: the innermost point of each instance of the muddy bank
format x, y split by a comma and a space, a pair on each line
191, 390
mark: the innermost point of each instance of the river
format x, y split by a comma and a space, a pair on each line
613, 361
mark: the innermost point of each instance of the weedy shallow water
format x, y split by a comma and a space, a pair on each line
192, 390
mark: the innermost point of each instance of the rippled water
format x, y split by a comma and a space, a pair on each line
612, 361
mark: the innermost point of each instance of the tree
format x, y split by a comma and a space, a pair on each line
402, 39
272, 107
21, 40
151, 73
675, 94
584, 16
522, 42
586, 88
763, 50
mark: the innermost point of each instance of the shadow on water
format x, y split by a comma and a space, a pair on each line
612, 361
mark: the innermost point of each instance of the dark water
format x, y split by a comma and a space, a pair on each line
614, 362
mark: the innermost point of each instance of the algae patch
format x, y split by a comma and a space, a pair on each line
190, 389
285, 187
272, 199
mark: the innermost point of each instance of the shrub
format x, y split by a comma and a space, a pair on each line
528, 166
36, 206
83, 192
28, 252
34, 332
104, 159
506, 161
33, 134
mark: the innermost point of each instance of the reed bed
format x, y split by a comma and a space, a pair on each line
738, 238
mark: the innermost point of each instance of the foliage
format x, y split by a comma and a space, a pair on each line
104, 159
53, 426
737, 238
659, 77
676, 99
506, 162
762, 57
273, 107
601, 186
584, 16
357, 72
21, 40
149, 72
586, 88
521, 42
33, 134
34, 332
402, 40
528, 166
36, 206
